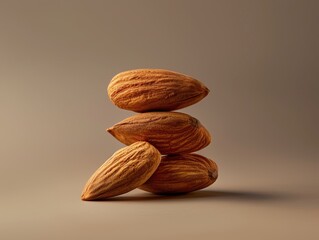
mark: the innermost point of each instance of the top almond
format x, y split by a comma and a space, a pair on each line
143, 90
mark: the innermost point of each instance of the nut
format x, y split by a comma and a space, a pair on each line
125, 170
145, 90
181, 174
169, 132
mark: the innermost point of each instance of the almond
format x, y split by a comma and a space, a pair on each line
125, 170
169, 132
182, 174
143, 90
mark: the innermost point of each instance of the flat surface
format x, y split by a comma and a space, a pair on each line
273, 201
258, 58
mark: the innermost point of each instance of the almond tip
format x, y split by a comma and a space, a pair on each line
206, 90
83, 197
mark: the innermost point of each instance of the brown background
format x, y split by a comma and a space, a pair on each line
259, 58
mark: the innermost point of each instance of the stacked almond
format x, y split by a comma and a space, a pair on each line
159, 157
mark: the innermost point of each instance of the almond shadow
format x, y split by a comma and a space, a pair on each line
205, 195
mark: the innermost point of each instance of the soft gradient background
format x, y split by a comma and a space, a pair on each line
260, 60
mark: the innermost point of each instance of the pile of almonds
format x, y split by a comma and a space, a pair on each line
159, 155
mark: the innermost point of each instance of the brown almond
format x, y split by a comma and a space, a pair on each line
125, 170
169, 132
181, 174
143, 90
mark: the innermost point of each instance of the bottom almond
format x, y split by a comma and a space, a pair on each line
181, 174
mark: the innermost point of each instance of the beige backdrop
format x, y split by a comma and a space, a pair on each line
260, 60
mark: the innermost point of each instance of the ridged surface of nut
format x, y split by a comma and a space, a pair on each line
143, 90
182, 174
169, 132
125, 170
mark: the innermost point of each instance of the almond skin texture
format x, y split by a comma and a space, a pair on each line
125, 170
169, 132
143, 90
182, 174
